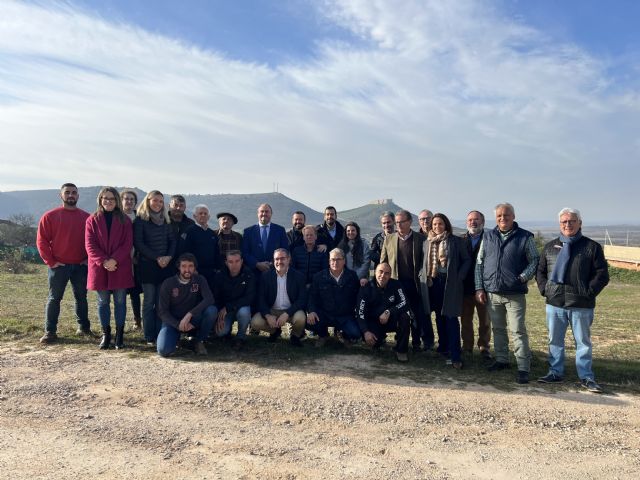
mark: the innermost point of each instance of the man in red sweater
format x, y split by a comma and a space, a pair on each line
61, 245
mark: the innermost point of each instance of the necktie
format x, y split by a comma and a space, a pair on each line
263, 237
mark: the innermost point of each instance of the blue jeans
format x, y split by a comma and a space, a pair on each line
169, 336
150, 321
243, 316
580, 319
119, 307
58, 278
345, 323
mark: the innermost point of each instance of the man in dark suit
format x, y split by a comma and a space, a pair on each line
402, 250
282, 298
471, 240
261, 240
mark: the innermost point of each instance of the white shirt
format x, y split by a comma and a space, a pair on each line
282, 298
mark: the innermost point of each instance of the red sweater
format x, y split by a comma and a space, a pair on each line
61, 236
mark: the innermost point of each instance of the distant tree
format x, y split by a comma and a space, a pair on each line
23, 219
20, 232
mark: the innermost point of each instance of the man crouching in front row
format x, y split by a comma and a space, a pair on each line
382, 308
185, 306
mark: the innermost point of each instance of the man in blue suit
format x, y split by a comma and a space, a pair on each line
261, 240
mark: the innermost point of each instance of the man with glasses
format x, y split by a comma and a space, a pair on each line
506, 261
571, 273
402, 250
424, 221
332, 300
60, 242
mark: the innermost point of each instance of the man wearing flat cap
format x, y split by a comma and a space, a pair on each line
228, 240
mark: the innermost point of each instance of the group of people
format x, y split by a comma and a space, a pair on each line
199, 281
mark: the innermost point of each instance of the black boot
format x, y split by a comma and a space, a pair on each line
106, 338
119, 338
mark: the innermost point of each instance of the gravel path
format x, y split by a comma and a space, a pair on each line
74, 413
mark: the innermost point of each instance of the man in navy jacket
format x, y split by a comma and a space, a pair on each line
261, 240
282, 298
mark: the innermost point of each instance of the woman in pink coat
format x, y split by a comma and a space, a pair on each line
108, 240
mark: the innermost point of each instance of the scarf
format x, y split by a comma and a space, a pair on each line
562, 262
156, 217
438, 252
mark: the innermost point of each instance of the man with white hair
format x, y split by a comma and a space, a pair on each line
472, 240
572, 271
202, 242
506, 261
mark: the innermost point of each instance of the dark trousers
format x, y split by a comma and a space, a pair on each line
345, 323
421, 327
448, 327
398, 323
58, 279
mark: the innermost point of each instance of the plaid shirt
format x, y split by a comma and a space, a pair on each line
230, 241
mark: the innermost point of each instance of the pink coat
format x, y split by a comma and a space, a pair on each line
102, 246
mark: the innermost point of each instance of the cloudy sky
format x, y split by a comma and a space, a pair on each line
450, 105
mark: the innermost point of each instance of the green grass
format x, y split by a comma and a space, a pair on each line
615, 335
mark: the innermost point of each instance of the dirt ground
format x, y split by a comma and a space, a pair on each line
75, 413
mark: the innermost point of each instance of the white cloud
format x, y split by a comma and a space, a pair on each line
443, 104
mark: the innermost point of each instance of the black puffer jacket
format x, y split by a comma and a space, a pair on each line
153, 241
587, 274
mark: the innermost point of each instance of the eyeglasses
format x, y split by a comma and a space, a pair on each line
424, 219
401, 222
108, 199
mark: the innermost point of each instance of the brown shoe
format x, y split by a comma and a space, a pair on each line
48, 337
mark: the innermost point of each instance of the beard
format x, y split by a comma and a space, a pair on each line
475, 230
70, 202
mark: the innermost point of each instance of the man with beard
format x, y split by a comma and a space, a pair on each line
331, 231
60, 241
471, 240
185, 306
179, 222
261, 240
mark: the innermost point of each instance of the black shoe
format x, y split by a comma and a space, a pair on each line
496, 366
85, 332
550, 378
295, 341
522, 377
416, 348
239, 344
591, 385
274, 336
105, 342
119, 338
485, 354
48, 337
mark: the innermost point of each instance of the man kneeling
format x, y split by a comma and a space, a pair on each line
382, 308
185, 306
282, 298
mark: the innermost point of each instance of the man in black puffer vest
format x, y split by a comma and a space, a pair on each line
506, 261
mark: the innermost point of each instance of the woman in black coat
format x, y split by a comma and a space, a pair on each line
446, 262
155, 245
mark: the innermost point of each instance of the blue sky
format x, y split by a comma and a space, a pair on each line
447, 105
